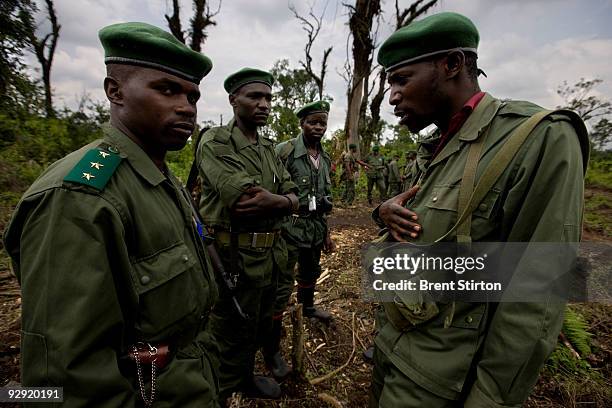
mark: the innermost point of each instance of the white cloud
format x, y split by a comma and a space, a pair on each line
527, 48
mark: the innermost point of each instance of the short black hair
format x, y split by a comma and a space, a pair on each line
471, 66
121, 72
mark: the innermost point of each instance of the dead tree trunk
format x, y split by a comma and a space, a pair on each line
361, 19
45, 50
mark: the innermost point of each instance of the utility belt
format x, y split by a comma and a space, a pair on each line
247, 239
151, 356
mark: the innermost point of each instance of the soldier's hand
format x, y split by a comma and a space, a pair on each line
400, 221
258, 201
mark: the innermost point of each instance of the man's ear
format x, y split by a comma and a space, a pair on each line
112, 88
454, 63
232, 100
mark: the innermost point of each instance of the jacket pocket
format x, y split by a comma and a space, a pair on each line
167, 291
34, 371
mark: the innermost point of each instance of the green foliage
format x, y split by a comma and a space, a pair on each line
594, 110
180, 161
575, 329
599, 172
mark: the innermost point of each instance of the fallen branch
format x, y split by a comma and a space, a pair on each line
569, 345
327, 376
329, 399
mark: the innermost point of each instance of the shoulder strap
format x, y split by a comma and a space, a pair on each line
469, 196
96, 167
285, 150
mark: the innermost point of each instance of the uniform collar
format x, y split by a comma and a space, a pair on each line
474, 126
240, 140
137, 157
300, 149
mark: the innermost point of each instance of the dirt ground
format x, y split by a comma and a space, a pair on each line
335, 351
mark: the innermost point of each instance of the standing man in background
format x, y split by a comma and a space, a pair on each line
410, 157
376, 173
349, 172
246, 194
394, 176
306, 233
115, 280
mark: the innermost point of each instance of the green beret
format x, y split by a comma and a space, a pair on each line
246, 76
375, 148
352, 146
436, 34
148, 46
313, 107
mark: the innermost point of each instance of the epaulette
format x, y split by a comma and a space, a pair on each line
284, 149
221, 134
96, 167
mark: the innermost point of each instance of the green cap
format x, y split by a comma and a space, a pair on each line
148, 46
352, 146
436, 34
375, 148
313, 107
247, 76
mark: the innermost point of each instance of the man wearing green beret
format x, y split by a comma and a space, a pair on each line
459, 354
375, 171
246, 193
116, 283
306, 232
349, 171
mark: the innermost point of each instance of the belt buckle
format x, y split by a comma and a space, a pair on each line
262, 239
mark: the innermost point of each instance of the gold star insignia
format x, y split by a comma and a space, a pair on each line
96, 165
104, 154
88, 176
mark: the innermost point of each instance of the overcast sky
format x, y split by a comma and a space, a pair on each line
527, 47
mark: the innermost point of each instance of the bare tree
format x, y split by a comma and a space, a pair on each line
312, 26
373, 125
202, 18
361, 19
44, 48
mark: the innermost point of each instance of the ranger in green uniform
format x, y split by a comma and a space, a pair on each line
471, 354
394, 176
410, 158
116, 283
306, 232
376, 173
246, 193
349, 169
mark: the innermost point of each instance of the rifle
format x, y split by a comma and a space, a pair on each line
228, 280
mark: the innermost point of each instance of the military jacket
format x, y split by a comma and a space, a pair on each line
492, 353
349, 164
377, 166
394, 175
229, 164
309, 229
103, 265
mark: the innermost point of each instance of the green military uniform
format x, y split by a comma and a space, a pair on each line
394, 178
107, 255
229, 164
349, 165
375, 174
110, 260
488, 355
407, 171
304, 232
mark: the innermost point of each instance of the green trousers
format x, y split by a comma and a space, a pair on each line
394, 188
392, 389
380, 185
239, 339
309, 270
348, 195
